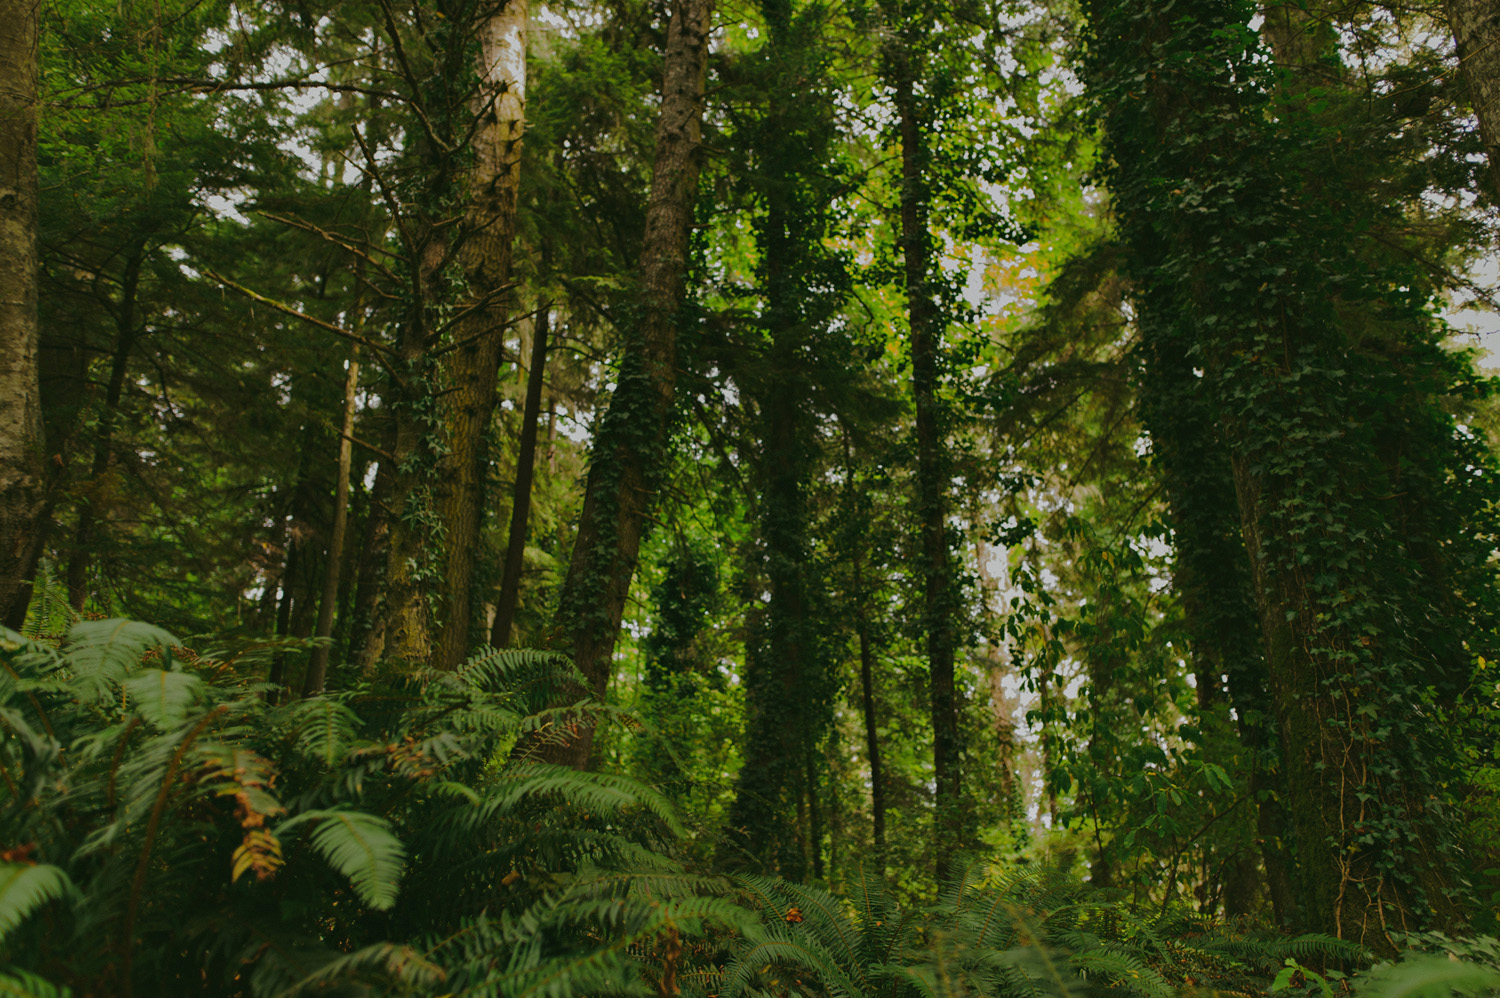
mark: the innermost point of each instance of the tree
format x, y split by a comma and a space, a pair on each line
1323, 371
630, 444
1476, 30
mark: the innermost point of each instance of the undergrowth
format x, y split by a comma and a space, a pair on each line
166, 828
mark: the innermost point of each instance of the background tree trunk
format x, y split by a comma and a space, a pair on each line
1476, 31
520, 507
125, 336
317, 670
22, 485
937, 574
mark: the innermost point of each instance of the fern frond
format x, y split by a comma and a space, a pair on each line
103, 652
361, 847
1122, 969
163, 698
324, 729
15, 983
25, 888
404, 966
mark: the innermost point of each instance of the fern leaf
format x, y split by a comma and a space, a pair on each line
325, 729
103, 652
16, 983
24, 889
403, 965
361, 847
163, 698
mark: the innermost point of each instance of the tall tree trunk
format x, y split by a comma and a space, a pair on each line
937, 570
867, 704
367, 628
317, 670
289, 572
22, 480
629, 449
520, 507
1476, 30
473, 366
125, 336
1002, 705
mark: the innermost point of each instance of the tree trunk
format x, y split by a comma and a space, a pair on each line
937, 580
872, 724
317, 670
367, 628
1476, 31
22, 481
125, 336
520, 507
289, 572
1002, 706
473, 366
630, 447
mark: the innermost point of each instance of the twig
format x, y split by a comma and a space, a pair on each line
378, 348
298, 223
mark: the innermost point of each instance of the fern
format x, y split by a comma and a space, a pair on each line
24, 889
359, 846
163, 698
323, 729
20, 984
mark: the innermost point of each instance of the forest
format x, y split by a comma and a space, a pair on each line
755, 499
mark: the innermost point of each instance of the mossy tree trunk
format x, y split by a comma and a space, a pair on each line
630, 447
22, 476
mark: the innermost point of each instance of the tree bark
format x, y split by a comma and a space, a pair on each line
317, 670
937, 581
473, 368
630, 446
520, 507
22, 478
872, 723
1306, 408
1002, 706
367, 627
1476, 31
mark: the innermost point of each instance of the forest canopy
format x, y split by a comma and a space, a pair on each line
782, 498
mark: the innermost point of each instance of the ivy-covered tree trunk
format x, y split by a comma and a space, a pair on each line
783, 660
22, 479
630, 446
1476, 30
1251, 277
788, 683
